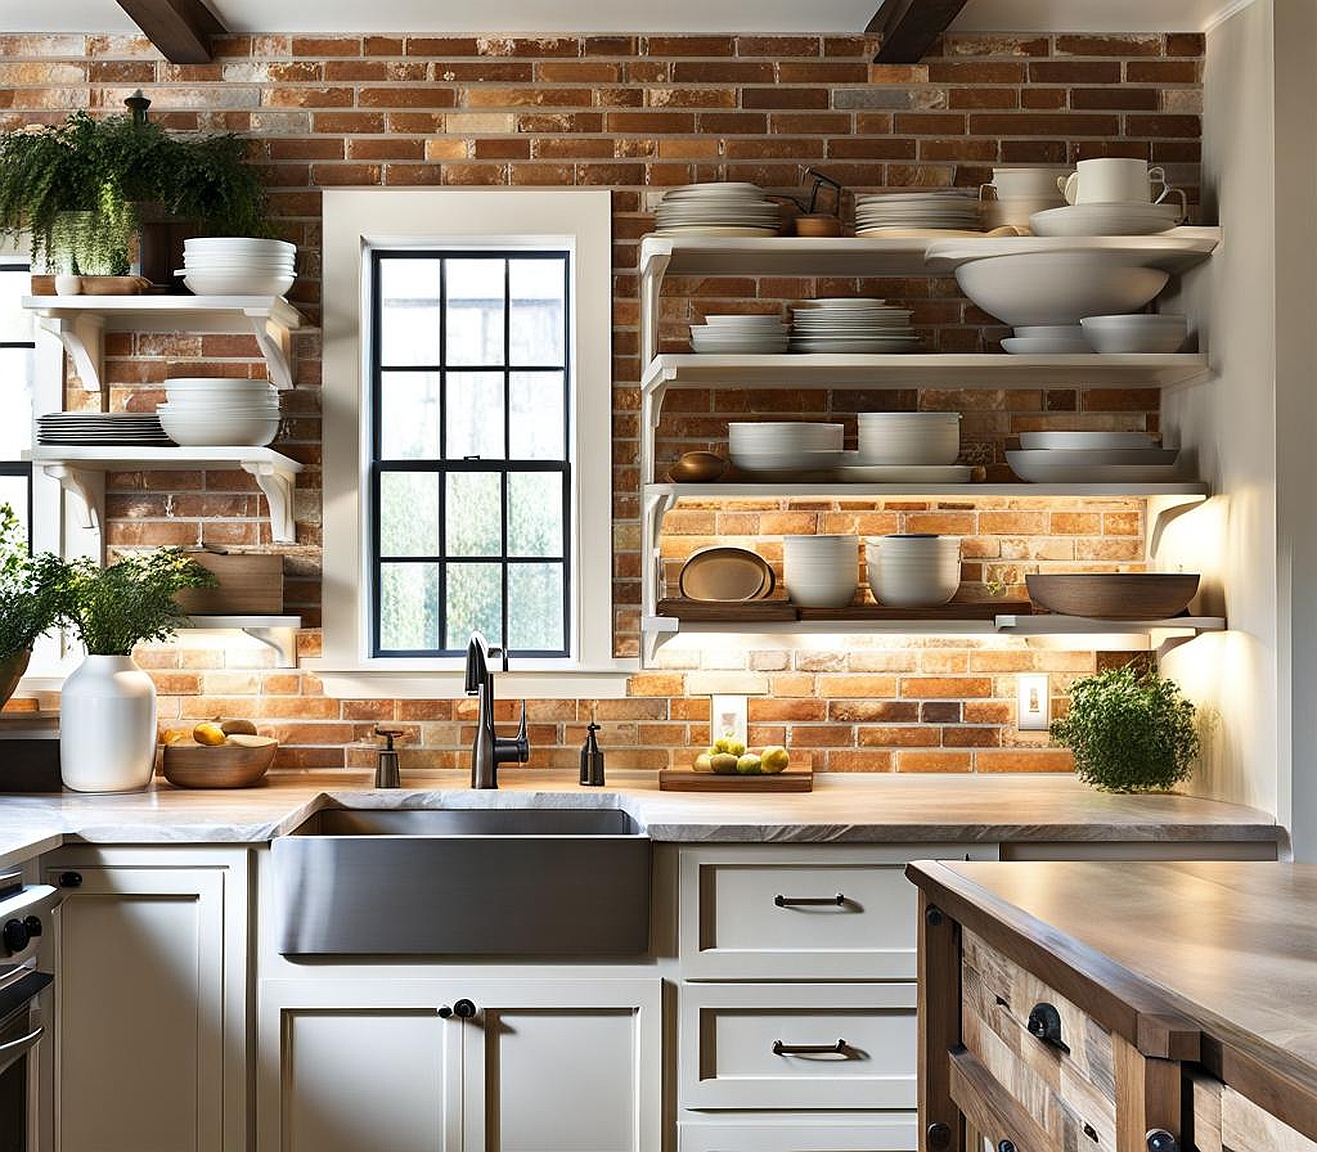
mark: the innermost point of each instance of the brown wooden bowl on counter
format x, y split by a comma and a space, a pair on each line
218, 766
1114, 595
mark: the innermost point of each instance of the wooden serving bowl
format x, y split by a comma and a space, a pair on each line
1114, 595
220, 766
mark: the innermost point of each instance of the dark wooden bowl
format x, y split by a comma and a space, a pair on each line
222, 766
1114, 595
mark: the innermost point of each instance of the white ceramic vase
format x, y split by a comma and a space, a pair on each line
107, 732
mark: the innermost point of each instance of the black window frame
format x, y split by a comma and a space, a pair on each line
22, 468
442, 466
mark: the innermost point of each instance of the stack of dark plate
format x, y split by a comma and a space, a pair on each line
101, 429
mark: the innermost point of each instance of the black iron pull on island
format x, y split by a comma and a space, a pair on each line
1045, 1023
464, 1009
839, 901
1159, 1140
782, 1049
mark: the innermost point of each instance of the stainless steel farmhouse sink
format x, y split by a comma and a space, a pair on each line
542, 882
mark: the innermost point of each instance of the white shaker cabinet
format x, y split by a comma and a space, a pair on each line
353, 1064
150, 956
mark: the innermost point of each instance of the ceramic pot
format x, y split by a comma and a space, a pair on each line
107, 732
11, 672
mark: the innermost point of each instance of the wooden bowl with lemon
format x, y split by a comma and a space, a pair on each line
215, 754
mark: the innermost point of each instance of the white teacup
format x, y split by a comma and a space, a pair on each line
1028, 182
1114, 180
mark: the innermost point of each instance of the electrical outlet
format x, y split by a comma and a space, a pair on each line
728, 716
1033, 703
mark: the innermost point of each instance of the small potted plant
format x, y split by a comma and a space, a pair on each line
107, 707
31, 588
1130, 730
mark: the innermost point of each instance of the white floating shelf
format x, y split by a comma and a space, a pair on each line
1196, 491
276, 632
81, 471
82, 321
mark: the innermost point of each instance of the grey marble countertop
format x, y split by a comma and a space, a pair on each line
861, 808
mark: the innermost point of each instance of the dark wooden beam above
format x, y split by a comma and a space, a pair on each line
908, 28
180, 29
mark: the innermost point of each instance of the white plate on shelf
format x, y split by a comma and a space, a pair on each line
905, 473
1090, 440
1050, 468
1105, 220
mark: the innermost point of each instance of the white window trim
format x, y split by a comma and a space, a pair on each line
357, 221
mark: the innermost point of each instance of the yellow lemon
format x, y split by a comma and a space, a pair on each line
208, 733
774, 760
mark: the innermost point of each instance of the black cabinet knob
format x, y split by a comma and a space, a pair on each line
1005, 1146
33, 925
444, 1011
1159, 1140
464, 1009
70, 879
15, 935
1045, 1023
939, 1135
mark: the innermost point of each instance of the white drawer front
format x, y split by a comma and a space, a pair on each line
800, 914
894, 1132
738, 1046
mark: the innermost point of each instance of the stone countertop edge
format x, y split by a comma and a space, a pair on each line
845, 809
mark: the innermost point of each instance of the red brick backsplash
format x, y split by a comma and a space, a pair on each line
638, 113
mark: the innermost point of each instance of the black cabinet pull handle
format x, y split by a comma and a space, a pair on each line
808, 901
781, 1049
1045, 1023
463, 1009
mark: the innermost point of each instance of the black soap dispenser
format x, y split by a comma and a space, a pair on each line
592, 760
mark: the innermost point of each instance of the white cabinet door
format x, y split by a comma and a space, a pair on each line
149, 1004
359, 1064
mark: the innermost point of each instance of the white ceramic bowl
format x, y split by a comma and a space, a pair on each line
244, 244
1058, 287
1089, 440
1048, 340
908, 438
913, 571
217, 382
236, 284
821, 571
218, 429
784, 445
1139, 333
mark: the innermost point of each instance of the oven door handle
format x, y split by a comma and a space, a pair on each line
17, 1048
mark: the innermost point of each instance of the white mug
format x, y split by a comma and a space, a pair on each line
1027, 182
1114, 180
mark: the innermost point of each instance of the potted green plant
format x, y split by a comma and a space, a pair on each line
1131, 730
108, 713
31, 590
81, 190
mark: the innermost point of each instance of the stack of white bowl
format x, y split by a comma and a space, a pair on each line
851, 325
1092, 457
821, 571
915, 571
238, 266
721, 209
1138, 333
1048, 340
739, 335
785, 446
205, 411
918, 438
940, 209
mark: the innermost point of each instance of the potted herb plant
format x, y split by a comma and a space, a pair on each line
84, 188
1131, 730
31, 588
107, 707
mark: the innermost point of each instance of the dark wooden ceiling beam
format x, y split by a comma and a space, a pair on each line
909, 28
180, 29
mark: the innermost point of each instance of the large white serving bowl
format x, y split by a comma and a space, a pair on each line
1090, 440
1140, 333
239, 244
218, 429
821, 571
914, 571
918, 438
1058, 287
237, 283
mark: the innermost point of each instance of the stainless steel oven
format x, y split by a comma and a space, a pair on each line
24, 917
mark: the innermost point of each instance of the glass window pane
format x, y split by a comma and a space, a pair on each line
409, 514
473, 514
536, 328
475, 598
15, 401
538, 412
409, 607
13, 491
409, 312
535, 514
535, 607
15, 320
409, 416
475, 311
474, 415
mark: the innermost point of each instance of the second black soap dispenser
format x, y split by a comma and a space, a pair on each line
592, 759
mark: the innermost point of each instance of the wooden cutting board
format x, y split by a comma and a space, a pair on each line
688, 780
728, 611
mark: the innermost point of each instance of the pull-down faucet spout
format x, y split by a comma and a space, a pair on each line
489, 750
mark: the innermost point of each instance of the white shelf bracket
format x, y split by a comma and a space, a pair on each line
282, 640
88, 488
83, 337
653, 265
651, 411
654, 509
276, 345
1162, 510
278, 484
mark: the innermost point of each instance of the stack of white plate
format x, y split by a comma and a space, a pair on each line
238, 266
724, 209
928, 210
100, 429
206, 412
739, 335
1092, 458
913, 447
1120, 219
851, 325
1048, 340
785, 446
915, 571
821, 571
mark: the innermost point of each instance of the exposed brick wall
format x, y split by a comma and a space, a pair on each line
635, 114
